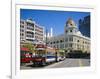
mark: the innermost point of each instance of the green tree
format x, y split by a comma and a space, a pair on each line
30, 46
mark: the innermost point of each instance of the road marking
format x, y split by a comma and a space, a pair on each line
80, 63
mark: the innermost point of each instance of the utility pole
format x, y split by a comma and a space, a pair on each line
46, 40
46, 36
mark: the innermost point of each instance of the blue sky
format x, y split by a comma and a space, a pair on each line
50, 18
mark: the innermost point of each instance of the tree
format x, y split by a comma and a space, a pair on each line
62, 52
30, 46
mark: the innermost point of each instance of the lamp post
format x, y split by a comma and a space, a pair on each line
46, 36
56, 55
46, 41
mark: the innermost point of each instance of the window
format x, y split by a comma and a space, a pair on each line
66, 45
22, 34
70, 45
54, 42
22, 22
66, 31
57, 46
29, 32
47, 43
78, 41
70, 39
77, 46
29, 39
66, 39
22, 30
30, 27
61, 41
57, 41
61, 45
54, 46
22, 26
70, 30
30, 24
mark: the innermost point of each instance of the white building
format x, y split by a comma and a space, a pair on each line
31, 32
71, 40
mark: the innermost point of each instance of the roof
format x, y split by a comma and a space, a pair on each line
70, 23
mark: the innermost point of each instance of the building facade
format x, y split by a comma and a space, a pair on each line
71, 40
30, 31
84, 26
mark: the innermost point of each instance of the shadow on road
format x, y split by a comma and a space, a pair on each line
36, 66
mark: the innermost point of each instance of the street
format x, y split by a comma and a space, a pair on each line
68, 62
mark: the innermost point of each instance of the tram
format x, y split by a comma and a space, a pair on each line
25, 55
43, 55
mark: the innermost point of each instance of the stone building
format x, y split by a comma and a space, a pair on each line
71, 40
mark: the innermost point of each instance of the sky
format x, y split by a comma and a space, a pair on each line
51, 18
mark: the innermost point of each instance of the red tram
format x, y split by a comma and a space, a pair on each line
26, 55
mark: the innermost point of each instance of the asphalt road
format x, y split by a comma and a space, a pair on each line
69, 62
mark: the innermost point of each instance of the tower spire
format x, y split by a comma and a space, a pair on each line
51, 32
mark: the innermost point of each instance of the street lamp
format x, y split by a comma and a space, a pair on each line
56, 54
46, 41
